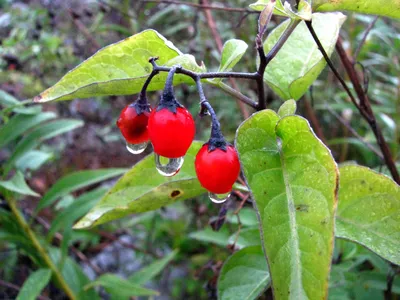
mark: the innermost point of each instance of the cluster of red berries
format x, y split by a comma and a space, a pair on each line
171, 129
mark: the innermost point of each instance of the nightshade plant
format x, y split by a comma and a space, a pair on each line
303, 200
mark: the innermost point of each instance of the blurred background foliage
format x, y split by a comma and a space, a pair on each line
42, 40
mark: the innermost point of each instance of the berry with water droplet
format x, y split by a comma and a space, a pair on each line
217, 168
132, 123
171, 133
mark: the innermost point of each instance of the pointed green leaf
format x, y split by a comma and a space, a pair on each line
119, 287
298, 64
244, 275
369, 211
386, 8
231, 54
40, 134
34, 284
76, 210
143, 189
32, 160
13, 104
293, 180
220, 238
121, 69
149, 272
287, 108
21, 123
76, 181
18, 185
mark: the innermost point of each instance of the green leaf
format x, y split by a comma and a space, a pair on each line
119, 287
369, 211
142, 189
244, 275
121, 69
386, 8
76, 210
208, 235
247, 237
231, 54
149, 272
76, 181
293, 180
40, 134
287, 108
248, 217
34, 284
73, 275
21, 123
13, 104
299, 62
18, 185
32, 160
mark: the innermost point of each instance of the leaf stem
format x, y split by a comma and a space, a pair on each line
41, 250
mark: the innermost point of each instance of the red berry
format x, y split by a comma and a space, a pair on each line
133, 126
217, 170
171, 133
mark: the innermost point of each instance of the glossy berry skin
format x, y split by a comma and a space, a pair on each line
133, 126
217, 170
171, 133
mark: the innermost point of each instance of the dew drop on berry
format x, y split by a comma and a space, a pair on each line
171, 168
218, 198
136, 148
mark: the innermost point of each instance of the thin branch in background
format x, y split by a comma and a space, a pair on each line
85, 31
353, 132
217, 38
394, 270
17, 288
204, 6
364, 38
363, 106
314, 120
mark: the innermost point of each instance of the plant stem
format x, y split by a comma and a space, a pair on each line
364, 105
35, 242
266, 59
226, 88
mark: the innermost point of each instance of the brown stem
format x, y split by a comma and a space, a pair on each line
364, 105
366, 110
314, 120
217, 38
203, 6
364, 38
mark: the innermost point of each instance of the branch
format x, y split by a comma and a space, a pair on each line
266, 59
201, 6
364, 38
363, 106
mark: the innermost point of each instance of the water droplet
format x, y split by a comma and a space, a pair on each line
218, 198
171, 168
136, 148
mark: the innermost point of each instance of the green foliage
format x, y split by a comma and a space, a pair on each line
244, 275
298, 204
299, 63
121, 69
76, 181
120, 288
18, 185
368, 211
287, 108
34, 284
377, 7
142, 189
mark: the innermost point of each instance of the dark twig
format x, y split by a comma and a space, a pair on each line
393, 272
364, 38
364, 105
201, 6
